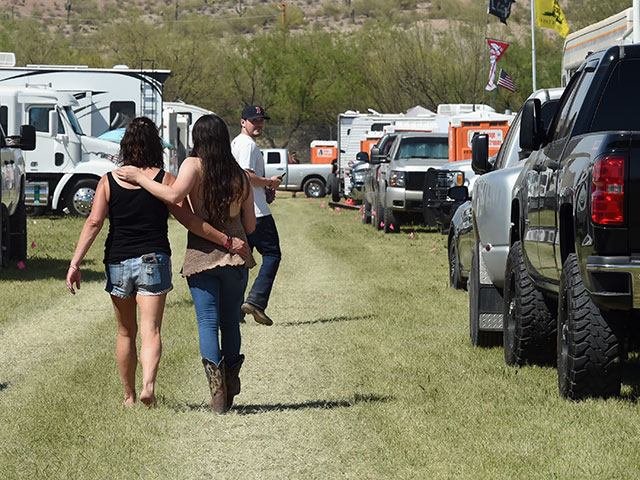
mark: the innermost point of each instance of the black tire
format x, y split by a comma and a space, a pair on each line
18, 228
455, 280
588, 344
391, 221
79, 198
479, 338
379, 216
366, 212
5, 244
335, 187
314, 188
529, 324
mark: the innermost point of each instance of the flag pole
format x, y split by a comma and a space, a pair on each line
486, 29
533, 43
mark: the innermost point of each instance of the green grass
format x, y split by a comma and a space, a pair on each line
366, 373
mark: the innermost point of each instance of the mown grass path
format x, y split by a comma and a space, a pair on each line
366, 373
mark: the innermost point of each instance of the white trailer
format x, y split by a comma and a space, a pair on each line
108, 98
185, 116
64, 169
615, 30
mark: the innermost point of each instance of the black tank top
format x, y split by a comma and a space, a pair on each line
137, 223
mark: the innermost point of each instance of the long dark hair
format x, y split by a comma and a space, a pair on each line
141, 146
223, 179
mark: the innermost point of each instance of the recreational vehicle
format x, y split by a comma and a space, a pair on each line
64, 169
185, 116
108, 98
615, 30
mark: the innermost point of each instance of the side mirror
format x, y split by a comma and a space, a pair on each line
480, 154
53, 123
461, 194
362, 157
375, 155
27, 137
531, 126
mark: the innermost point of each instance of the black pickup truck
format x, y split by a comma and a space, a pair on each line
572, 280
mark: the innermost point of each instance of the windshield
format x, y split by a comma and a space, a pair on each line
74, 121
421, 147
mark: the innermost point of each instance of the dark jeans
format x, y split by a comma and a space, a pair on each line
217, 295
265, 239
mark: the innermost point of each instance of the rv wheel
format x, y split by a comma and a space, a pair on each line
79, 199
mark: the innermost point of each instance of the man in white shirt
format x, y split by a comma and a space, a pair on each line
265, 237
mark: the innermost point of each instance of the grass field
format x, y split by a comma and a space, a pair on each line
367, 373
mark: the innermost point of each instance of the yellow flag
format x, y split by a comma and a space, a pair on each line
550, 15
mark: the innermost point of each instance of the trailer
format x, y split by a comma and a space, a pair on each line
615, 30
185, 116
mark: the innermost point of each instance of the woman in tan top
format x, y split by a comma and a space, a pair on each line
218, 190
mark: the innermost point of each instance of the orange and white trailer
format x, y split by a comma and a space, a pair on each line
324, 151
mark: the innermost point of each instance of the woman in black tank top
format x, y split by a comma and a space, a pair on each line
137, 254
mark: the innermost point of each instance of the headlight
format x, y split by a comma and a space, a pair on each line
454, 179
396, 178
358, 177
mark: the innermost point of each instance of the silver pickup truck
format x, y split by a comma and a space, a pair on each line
402, 173
13, 213
311, 178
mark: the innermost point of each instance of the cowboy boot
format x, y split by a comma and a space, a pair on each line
217, 385
233, 381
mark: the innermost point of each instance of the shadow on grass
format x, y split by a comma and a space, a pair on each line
342, 318
4, 386
252, 409
39, 268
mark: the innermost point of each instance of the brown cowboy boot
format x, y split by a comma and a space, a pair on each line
217, 385
233, 381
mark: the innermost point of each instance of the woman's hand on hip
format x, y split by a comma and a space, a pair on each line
239, 247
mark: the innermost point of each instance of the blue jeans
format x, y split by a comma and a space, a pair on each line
217, 296
264, 239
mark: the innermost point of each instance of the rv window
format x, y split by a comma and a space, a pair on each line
4, 118
73, 120
121, 114
273, 157
39, 118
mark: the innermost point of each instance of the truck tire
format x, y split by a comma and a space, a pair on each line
391, 221
335, 187
18, 232
454, 268
529, 326
379, 213
588, 343
5, 244
79, 198
314, 188
479, 338
366, 212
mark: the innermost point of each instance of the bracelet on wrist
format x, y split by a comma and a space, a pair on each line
227, 244
73, 266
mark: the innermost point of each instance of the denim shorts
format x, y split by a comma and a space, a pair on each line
149, 274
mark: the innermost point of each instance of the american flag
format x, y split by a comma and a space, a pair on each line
505, 81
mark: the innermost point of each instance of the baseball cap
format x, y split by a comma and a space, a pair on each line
254, 111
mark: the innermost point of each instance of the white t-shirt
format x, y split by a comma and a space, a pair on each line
249, 157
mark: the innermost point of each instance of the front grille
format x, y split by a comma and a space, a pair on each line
414, 180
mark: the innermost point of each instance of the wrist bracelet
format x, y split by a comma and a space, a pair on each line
75, 268
227, 244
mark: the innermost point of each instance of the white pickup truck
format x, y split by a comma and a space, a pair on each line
311, 178
13, 213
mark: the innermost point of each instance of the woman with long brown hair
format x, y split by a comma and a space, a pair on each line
218, 190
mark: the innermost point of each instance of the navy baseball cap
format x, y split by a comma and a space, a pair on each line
254, 111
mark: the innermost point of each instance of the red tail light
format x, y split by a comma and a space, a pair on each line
607, 190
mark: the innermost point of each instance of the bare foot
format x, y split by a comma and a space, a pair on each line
149, 399
128, 401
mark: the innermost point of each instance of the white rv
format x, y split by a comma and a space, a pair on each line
615, 30
185, 116
64, 169
108, 98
